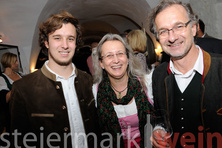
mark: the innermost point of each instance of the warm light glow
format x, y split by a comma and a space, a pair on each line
1, 38
158, 50
33, 69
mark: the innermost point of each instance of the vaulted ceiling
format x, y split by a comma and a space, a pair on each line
101, 16
98, 17
19, 20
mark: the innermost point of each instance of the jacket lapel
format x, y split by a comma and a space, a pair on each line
169, 82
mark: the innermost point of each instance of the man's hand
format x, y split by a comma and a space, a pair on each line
160, 139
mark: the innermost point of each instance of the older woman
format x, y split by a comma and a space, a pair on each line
10, 65
122, 91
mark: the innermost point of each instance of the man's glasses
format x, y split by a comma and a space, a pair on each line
110, 56
180, 28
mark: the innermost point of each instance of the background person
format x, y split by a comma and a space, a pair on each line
206, 42
138, 42
7, 78
211, 45
126, 32
189, 87
57, 100
122, 90
201, 30
89, 59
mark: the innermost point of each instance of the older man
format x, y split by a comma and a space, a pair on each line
189, 87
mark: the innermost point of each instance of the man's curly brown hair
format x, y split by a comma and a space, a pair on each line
55, 22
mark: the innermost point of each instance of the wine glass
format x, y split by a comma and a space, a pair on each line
162, 129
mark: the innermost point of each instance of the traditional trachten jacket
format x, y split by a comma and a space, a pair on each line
211, 92
38, 106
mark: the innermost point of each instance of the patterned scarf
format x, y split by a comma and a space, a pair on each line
108, 119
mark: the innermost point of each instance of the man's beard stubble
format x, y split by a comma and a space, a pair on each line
60, 62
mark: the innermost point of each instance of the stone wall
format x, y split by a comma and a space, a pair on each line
210, 11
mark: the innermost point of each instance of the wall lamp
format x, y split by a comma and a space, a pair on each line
1, 38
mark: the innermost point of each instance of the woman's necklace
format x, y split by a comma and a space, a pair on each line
119, 91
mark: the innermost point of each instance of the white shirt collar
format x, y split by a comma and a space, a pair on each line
58, 76
203, 35
199, 65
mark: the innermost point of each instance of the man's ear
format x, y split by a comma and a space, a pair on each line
198, 26
194, 29
46, 44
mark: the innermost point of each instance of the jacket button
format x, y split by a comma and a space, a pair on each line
63, 107
57, 87
66, 129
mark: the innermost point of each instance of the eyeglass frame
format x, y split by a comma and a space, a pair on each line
113, 54
168, 30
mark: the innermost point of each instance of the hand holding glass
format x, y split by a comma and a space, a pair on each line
162, 129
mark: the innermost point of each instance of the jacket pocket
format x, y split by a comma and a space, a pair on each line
41, 115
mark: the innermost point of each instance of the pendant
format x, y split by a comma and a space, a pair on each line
119, 95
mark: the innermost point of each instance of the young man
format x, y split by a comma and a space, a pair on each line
54, 106
189, 87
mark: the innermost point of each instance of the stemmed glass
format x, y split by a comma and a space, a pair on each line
162, 130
